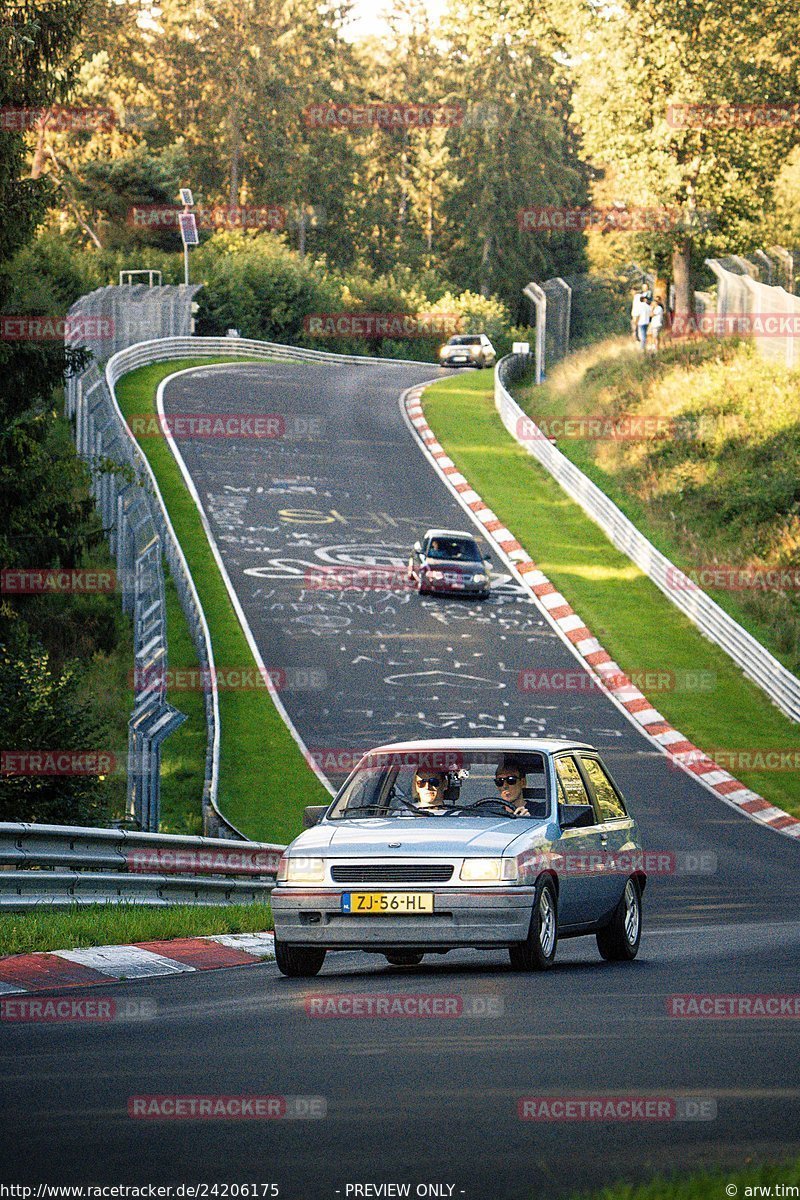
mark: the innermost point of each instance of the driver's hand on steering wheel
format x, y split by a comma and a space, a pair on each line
521, 811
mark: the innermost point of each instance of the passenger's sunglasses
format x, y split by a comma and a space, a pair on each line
434, 783
502, 781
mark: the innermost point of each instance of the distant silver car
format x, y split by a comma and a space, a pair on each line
391, 871
468, 350
449, 562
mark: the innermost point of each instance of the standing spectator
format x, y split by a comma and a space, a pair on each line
656, 322
637, 300
643, 320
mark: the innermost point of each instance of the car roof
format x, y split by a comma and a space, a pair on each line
459, 533
504, 745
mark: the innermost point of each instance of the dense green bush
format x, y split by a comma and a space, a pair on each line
45, 709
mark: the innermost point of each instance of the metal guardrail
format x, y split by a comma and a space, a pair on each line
58, 866
164, 350
782, 687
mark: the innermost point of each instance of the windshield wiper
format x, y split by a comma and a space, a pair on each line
364, 808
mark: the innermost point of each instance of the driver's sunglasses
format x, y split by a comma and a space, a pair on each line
502, 781
434, 783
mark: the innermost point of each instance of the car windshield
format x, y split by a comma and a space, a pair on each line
465, 340
451, 549
443, 784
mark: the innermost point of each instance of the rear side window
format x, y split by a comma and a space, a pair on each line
574, 806
608, 800
571, 781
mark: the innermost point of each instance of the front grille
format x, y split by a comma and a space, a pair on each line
392, 872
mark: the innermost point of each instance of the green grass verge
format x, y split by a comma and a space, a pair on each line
638, 626
264, 779
118, 925
710, 1184
722, 488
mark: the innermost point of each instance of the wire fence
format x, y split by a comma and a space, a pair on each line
763, 311
105, 322
552, 303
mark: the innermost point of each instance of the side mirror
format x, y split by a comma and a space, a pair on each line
313, 814
487, 559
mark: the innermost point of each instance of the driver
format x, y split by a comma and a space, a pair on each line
429, 788
510, 782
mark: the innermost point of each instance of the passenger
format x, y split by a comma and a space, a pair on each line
429, 788
511, 782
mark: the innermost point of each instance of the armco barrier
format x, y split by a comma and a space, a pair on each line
58, 866
782, 687
165, 350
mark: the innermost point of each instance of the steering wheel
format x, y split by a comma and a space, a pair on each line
485, 800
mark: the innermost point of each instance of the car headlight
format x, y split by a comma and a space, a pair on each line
489, 870
480, 577
434, 574
301, 870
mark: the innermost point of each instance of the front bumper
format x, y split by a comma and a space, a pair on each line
460, 362
445, 587
461, 917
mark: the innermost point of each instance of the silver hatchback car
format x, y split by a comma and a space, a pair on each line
468, 350
482, 843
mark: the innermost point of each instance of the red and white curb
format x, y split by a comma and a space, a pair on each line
22, 973
573, 630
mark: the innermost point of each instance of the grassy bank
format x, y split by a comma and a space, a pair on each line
264, 780
710, 1185
718, 483
117, 925
634, 621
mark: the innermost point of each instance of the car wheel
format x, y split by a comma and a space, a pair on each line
298, 962
401, 959
538, 952
619, 941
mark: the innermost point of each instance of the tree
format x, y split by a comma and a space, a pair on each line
515, 148
42, 709
633, 63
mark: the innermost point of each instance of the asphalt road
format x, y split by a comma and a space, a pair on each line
423, 1100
